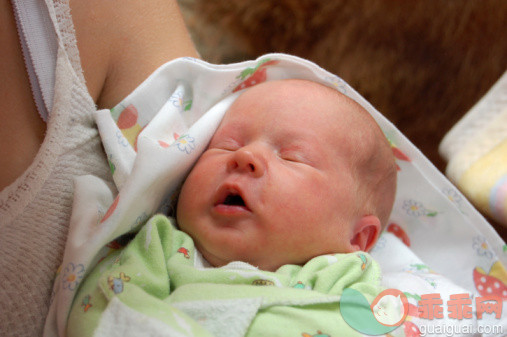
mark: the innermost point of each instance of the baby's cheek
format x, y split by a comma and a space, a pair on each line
300, 206
188, 204
195, 186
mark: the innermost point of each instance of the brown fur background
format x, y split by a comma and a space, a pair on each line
422, 63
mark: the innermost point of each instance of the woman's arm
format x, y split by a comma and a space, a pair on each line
121, 42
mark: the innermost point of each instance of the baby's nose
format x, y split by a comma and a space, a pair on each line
248, 161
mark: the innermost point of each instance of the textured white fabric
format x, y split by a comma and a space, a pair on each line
121, 321
479, 131
230, 318
35, 209
476, 151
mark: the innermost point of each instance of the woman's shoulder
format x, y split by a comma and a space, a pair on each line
121, 42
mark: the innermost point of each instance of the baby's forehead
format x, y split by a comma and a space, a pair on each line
292, 90
307, 98
300, 102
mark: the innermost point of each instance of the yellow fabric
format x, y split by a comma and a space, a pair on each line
479, 180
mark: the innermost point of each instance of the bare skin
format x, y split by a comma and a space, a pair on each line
22, 128
120, 43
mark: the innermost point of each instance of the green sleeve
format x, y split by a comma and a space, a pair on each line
137, 275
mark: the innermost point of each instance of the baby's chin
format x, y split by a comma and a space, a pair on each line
218, 260
219, 254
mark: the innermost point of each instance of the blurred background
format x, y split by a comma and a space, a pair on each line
422, 63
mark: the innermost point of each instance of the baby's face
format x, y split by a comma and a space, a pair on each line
276, 185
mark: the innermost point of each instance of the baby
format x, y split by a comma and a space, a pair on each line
296, 177
294, 171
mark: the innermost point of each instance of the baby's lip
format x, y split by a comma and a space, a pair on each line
231, 199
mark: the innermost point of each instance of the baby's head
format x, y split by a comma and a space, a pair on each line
295, 170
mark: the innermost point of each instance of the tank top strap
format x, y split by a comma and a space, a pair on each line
39, 44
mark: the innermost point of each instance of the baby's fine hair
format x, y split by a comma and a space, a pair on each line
375, 167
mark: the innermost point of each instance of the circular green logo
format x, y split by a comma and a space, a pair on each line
387, 311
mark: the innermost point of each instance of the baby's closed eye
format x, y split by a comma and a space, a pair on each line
293, 156
297, 154
227, 145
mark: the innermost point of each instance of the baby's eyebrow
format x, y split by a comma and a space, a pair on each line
231, 127
306, 141
296, 145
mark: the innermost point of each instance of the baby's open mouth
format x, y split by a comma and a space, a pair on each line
230, 201
234, 200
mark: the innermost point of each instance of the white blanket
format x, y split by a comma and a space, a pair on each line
436, 241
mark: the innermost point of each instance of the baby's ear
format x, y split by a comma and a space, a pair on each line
366, 233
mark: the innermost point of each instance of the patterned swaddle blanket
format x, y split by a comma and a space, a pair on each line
153, 137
